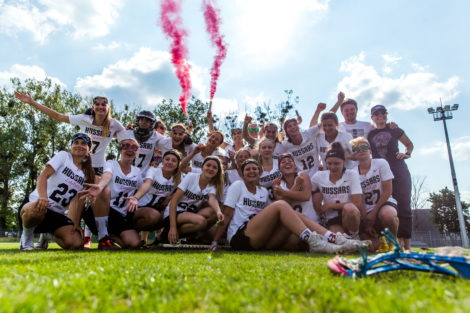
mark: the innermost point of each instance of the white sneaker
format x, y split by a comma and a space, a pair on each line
317, 243
43, 242
348, 243
27, 241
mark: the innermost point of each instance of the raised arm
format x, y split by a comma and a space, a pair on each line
320, 107
210, 120
27, 98
245, 133
338, 103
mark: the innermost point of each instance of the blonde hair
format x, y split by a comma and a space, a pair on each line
260, 158
107, 123
358, 141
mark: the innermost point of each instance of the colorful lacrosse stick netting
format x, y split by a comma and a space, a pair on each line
443, 262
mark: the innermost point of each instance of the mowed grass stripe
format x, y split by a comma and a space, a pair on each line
186, 281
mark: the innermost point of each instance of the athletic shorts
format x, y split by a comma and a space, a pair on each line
377, 225
51, 222
166, 227
117, 223
98, 170
338, 220
240, 241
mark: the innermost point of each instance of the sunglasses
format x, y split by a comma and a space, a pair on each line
361, 148
253, 130
131, 147
162, 127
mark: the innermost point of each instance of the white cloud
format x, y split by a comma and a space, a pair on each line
144, 79
465, 195
26, 71
265, 29
460, 149
408, 91
223, 106
41, 18
390, 58
111, 46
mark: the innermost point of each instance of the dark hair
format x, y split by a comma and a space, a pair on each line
177, 173
285, 128
348, 101
249, 161
218, 180
335, 150
329, 116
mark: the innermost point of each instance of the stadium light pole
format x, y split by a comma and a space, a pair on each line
442, 114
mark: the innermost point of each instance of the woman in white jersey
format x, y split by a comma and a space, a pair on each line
184, 214
179, 140
341, 193
330, 134
58, 184
302, 146
234, 173
98, 123
378, 207
254, 226
201, 151
295, 188
123, 179
151, 199
268, 165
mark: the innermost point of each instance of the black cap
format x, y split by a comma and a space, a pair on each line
376, 108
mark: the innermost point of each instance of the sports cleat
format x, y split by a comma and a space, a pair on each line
318, 244
107, 243
43, 242
27, 241
349, 244
87, 243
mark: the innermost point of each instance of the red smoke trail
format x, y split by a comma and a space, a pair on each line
212, 18
172, 25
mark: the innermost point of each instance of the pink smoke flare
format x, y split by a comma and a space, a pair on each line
212, 18
172, 25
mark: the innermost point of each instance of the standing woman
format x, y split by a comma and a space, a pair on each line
123, 179
184, 214
254, 226
102, 128
58, 184
341, 193
384, 144
269, 166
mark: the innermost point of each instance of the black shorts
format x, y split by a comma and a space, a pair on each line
51, 222
240, 241
377, 225
89, 218
98, 170
338, 220
117, 223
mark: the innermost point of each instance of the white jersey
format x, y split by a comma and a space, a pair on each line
278, 149
85, 122
233, 176
245, 204
146, 150
340, 192
167, 144
266, 180
64, 184
122, 185
305, 154
343, 138
198, 159
193, 195
358, 129
304, 207
371, 183
159, 190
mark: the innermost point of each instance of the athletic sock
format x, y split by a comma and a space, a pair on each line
305, 234
88, 231
102, 226
330, 236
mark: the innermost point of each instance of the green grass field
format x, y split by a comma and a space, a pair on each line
186, 281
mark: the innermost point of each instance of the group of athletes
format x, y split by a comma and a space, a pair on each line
324, 189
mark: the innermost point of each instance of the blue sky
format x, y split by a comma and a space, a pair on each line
402, 54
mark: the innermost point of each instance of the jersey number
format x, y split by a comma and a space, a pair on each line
142, 158
370, 195
188, 207
96, 144
61, 191
117, 202
270, 193
308, 163
156, 204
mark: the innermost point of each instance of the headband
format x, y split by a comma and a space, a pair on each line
335, 153
249, 161
82, 136
172, 153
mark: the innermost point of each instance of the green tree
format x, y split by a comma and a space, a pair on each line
444, 211
276, 113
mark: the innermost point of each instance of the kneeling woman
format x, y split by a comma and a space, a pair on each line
123, 179
151, 199
184, 215
254, 226
58, 184
341, 193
